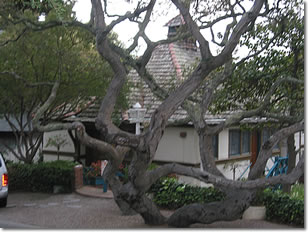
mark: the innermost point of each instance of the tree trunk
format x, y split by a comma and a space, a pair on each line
139, 202
207, 154
134, 191
230, 209
291, 161
116, 186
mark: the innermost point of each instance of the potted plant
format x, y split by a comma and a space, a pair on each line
93, 172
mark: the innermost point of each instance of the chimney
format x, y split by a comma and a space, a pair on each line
178, 23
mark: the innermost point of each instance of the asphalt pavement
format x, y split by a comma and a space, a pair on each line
89, 209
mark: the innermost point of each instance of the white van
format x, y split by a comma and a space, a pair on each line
4, 183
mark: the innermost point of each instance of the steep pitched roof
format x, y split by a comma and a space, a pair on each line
167, 65
176, 21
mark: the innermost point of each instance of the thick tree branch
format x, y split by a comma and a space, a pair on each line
266, 149
30, 85
194, 30
241, 27
237, 117
219, 181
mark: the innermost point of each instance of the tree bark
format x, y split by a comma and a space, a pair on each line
291, 161
266, 150
207, 154
230, 209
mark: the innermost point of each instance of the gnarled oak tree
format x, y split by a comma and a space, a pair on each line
241, 22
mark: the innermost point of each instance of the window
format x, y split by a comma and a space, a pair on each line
234, 142
245, 141
215, 145
239, 142
266, 134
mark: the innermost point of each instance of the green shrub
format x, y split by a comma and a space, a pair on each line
298, 191
41, 177
281, 207
169, 193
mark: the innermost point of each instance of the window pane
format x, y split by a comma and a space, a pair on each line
245, 141
235, 142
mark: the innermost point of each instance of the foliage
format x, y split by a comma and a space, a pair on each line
37, 59
43, 56
64, 53
282, 208
284, 57
170, 194
41, 177
298, 192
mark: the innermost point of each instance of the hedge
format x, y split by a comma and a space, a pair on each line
41, 177
170, 194
280, 207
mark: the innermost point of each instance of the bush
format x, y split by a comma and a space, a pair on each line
169, 193
298, 191
282, 208
41, 177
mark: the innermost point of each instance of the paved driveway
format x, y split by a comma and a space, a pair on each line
73, 211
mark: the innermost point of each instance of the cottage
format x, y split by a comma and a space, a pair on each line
235, 149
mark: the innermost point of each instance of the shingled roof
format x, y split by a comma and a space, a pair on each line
167, 65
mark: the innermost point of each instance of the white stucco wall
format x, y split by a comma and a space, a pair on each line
68, 147
240, 167
174, 148
299, 139
68, 150
48, 157
223, 145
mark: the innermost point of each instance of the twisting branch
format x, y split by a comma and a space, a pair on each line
284, 118
266, 149
194, 30
243, 25
99, 145
213, 85
14, 40
96, 144
44, 108
229, 27
236, 118
142, 26
219, 181
30, 85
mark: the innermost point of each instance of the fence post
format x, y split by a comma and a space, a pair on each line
78, 176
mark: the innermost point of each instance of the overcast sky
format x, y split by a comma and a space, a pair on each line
127, 30
163, 12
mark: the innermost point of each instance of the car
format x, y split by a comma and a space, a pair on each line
4, 183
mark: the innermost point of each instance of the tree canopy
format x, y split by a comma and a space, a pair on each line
35, 61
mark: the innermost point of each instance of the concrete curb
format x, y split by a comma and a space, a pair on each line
89, 191
16, 225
